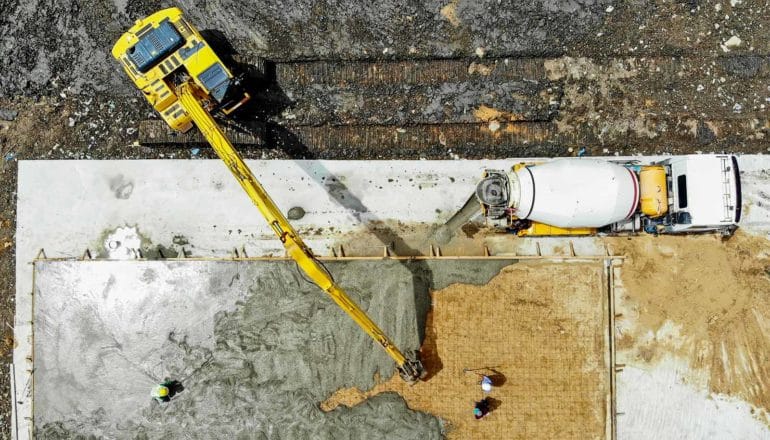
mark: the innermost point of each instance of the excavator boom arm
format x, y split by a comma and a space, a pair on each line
410, 369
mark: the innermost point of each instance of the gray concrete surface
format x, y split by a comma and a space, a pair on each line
197, 207
255, 345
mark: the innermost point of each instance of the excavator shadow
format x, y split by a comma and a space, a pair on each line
420, 270
268, 101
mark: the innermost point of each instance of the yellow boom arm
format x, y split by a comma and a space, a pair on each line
410, 369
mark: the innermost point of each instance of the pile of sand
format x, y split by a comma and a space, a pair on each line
704, 300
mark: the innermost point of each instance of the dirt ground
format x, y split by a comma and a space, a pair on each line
539, 330
702, 300
388, 79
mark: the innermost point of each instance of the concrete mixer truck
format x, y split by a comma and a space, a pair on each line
587, 196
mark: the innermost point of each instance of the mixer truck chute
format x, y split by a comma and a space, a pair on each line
680, 194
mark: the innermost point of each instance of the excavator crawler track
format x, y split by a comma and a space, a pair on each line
156, 133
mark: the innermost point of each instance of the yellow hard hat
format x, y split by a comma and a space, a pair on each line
162, 391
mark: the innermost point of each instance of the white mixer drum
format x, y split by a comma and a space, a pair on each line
577, 193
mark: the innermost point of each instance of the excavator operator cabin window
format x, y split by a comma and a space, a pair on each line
681, 184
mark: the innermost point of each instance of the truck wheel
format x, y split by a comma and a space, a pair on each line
726, 232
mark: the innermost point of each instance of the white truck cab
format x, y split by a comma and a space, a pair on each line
704, 193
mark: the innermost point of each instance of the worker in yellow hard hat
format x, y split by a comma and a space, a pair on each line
164, 391
160, 393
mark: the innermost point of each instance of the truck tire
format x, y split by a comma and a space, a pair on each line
726, 232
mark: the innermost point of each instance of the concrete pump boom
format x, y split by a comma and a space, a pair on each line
184, 79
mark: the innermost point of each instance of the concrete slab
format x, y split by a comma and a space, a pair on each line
255, 346
67, 206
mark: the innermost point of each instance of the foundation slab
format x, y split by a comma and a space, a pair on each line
255, 345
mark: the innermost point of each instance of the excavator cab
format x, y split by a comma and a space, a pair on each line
163, 51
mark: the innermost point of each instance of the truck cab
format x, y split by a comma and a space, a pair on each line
704, 194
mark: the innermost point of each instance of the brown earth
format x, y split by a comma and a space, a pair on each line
704, 300
539, 330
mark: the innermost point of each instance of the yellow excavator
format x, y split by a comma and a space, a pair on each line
186, 82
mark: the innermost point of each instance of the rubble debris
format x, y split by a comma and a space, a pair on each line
8, 115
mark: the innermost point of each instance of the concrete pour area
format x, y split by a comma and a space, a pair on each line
538, 329
683, 374
255, 345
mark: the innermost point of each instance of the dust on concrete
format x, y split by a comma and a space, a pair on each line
705, 301
121, 187
283, 348
540, 328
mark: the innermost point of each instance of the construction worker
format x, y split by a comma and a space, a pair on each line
164, 391
160, 393
481, 408
486, 383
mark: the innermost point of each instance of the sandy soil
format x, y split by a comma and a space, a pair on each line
539, 329
703, 300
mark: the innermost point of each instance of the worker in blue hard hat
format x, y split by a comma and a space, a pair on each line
481, 408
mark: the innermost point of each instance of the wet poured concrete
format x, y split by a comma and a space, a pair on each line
256, 347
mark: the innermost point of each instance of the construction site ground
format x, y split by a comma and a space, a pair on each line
691, 346
539, 330
692, 316
690, 322
450, 79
